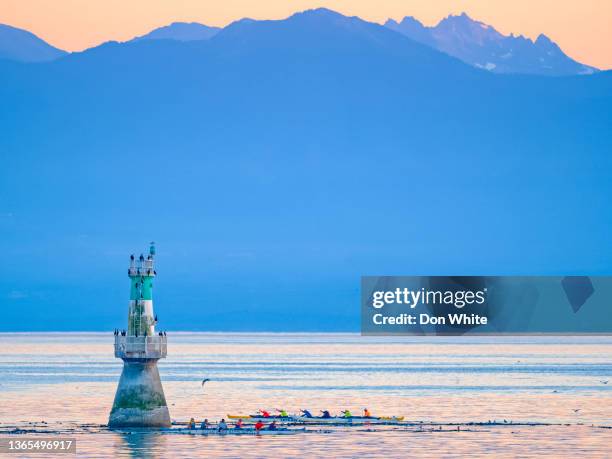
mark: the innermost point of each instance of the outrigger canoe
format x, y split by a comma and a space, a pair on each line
349, 420
259, 417
321, 420
243, 431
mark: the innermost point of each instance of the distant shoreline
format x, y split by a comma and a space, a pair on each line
344, 333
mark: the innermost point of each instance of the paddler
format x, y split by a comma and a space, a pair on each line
222, 425
238, 425
264, 413
205, 425
306, 413
259, 425
272, 426
191, 424
282, 413
366, 413
347, 414
325, 414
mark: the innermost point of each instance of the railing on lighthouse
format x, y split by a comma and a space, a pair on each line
141, 347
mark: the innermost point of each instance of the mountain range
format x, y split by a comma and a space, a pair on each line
277, 162
482, 46
181, 31
21, 45
472, 41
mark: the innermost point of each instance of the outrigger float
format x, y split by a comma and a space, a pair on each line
242, 431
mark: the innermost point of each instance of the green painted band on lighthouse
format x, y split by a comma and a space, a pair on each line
141, 288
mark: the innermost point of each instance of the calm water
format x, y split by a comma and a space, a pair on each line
69, 380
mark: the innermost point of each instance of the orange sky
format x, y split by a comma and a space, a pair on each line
581, 27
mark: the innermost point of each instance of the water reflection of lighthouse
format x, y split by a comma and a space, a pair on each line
140, 400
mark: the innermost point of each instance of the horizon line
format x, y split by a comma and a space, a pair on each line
355, 333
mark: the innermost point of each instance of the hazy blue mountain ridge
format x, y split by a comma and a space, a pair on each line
277, 162
479, 44
21, 45
181, 31
472, 41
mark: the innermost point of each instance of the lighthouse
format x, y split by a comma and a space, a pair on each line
140, 400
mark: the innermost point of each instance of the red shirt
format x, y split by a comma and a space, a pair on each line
259, 425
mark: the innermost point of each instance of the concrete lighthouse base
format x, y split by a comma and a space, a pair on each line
140, 400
